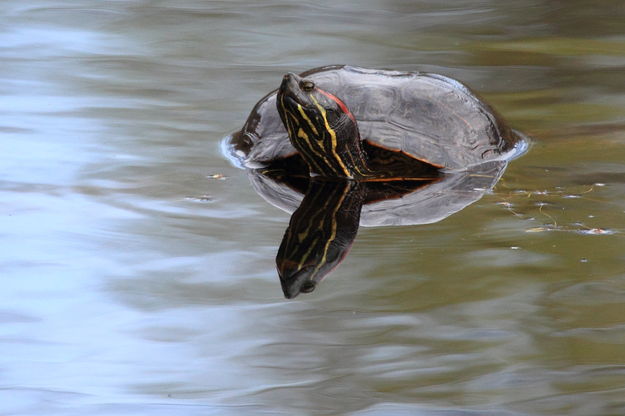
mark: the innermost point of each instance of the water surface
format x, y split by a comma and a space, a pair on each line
138, 272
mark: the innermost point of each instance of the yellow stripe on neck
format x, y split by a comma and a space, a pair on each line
305, 117
332, 137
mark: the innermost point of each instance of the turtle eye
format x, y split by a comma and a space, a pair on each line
307, 85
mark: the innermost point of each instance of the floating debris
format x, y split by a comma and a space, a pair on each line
596, 231
537, 229
218, 176
576, 229
545, 201
202, 198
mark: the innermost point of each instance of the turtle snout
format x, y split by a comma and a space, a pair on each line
290, 82
290, 76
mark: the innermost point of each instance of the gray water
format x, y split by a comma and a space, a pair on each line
137, 263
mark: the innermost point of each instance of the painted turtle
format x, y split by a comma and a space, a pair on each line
365, 124
342, 146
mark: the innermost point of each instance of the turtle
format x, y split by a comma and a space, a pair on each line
346, 122
341, 146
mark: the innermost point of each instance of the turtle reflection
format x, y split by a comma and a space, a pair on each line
319, 235
326, 215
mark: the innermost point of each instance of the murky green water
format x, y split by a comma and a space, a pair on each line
136, 282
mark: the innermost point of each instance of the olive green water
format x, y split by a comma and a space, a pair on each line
135, 279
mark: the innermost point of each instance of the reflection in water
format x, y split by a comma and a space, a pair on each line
323, 228
319, 235
324, 224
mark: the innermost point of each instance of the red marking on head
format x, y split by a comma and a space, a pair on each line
340, 103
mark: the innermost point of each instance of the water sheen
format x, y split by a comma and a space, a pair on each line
137, 263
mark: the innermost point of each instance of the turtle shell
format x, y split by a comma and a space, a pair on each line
429, 117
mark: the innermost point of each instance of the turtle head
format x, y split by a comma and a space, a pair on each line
321, 128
